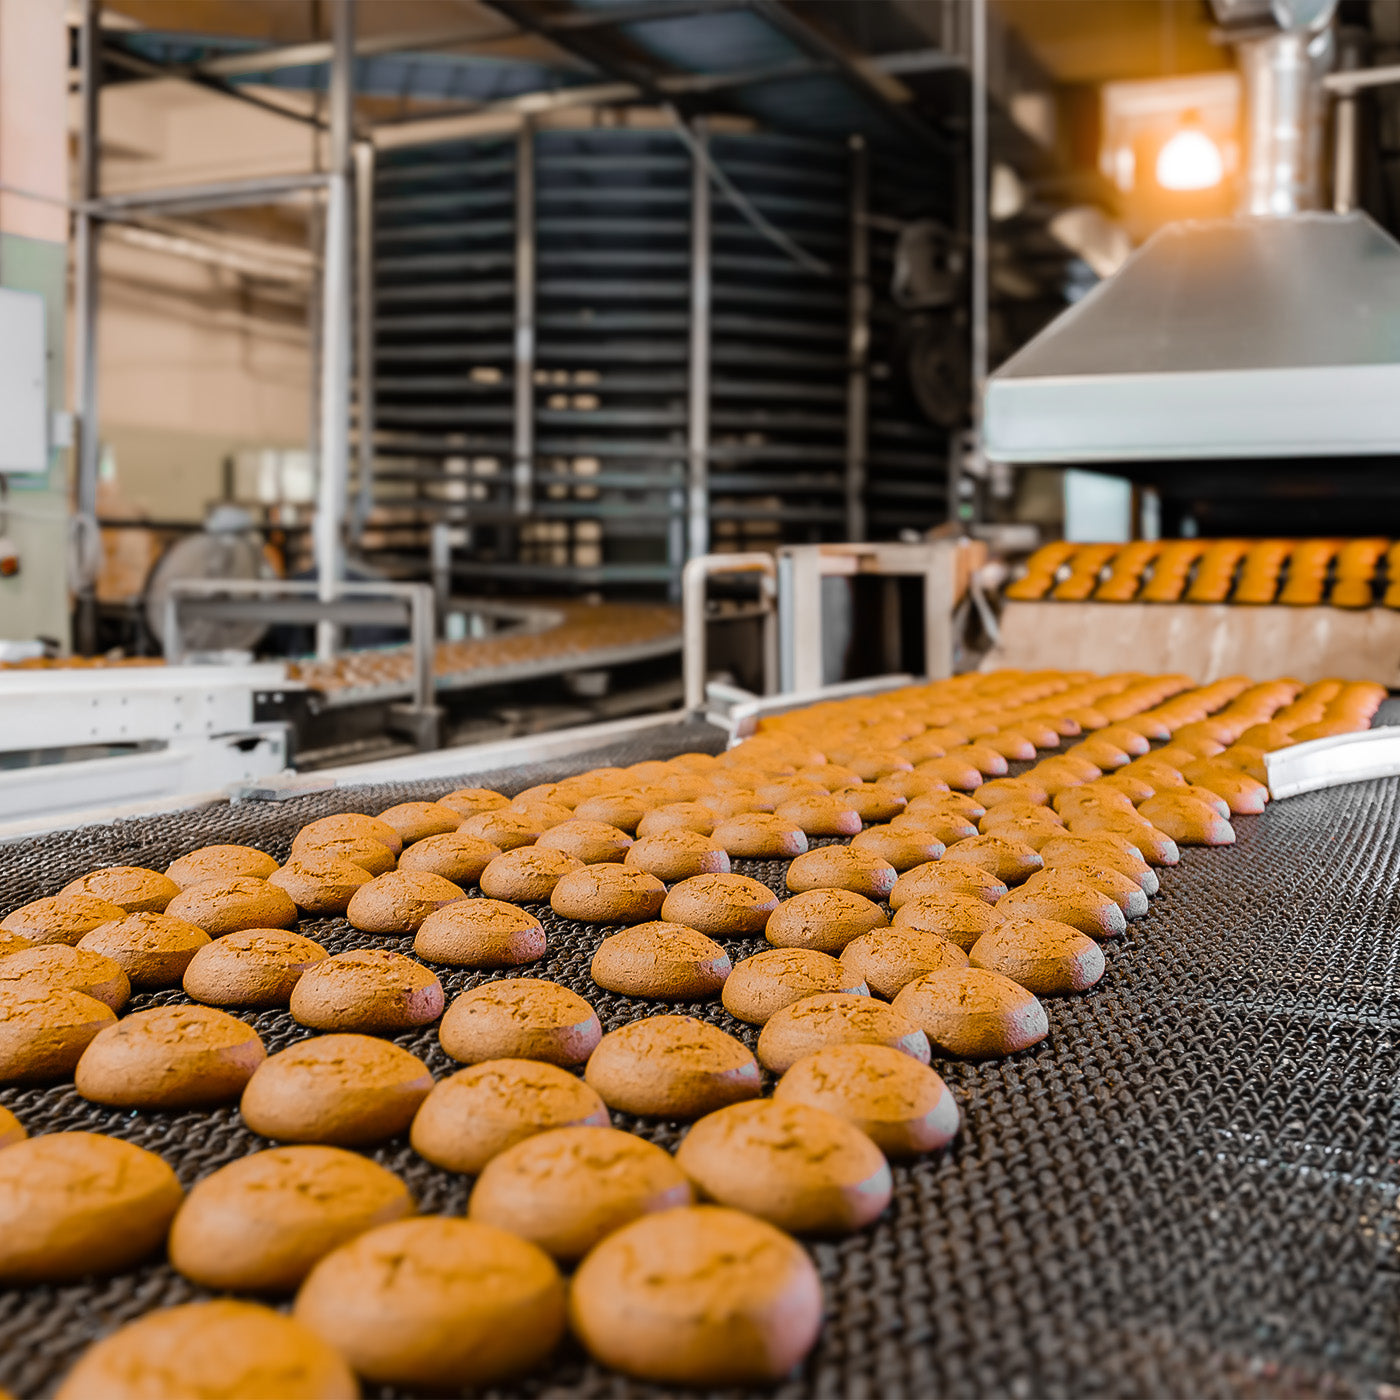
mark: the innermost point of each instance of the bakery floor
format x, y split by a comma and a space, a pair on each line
1189, 1189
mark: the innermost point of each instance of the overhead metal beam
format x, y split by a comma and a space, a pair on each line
222, 194
640, 12
273, 60
118, 56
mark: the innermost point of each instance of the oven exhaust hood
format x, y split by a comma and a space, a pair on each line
1247, 337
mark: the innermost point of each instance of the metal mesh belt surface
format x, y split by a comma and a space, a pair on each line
1189, 1189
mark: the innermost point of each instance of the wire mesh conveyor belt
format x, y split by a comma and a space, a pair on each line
1189, 1189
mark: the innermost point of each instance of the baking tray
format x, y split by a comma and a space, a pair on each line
1189, 1189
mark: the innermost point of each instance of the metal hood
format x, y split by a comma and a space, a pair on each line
1249, 337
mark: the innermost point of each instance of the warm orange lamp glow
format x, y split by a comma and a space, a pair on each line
1190, 160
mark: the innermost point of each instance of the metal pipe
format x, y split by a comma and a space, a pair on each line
1282, 111
364, 329
524, 443
1344, 172
694, 579
698, 403
86, 230
329, 536
858, 344
980, 259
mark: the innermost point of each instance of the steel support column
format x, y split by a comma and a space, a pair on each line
86, 232
524, 437
858, 344
364, 329
335, 329
698, 415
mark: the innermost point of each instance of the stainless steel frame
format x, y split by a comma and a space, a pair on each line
364, 330
285, 600
858, 344
698, 407
334, 469
1343, 758
524, 435
695, 620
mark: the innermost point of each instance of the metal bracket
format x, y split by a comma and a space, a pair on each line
694, 579
1331, 762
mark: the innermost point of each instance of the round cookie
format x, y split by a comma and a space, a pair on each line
370, 990
842, 868
937, 878
527, 875
961, 919
566, 1189
348, 824
1151, 843
260, 1223
1007, 861
903, 1107
974, 1013
481, 933
608, 894
777, 977
415, 821
901, 849
760, 836
73, 1204
1045, 957
677, 855
469, 801
51, 966
672, 1067
723, 906
11, 1129
836, 1018
399, 901
454, 856
888, 959
254, 967
152, 949
15, 943
320, 880
872, 802
734, 802
226, 1348
218, 863
347, 1090
170, 1057
233, 903
799, 1168
370, 855
945, 827
1125, 892
133, 887
44, 1031
543, 814
1189, 820
1067, 898
505, 829
520, 1018
480, 1111
820, 816
622, 809
669, 962
61, 918
594, 843
436, 1304
1108, 847
823, 920
700, 1296
678, 816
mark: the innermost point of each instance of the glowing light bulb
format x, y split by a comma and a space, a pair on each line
1190, 161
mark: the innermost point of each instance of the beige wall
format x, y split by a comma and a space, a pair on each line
33, 235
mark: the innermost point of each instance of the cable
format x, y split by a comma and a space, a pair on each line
741, 201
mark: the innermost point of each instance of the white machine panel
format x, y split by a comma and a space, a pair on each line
24, 392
